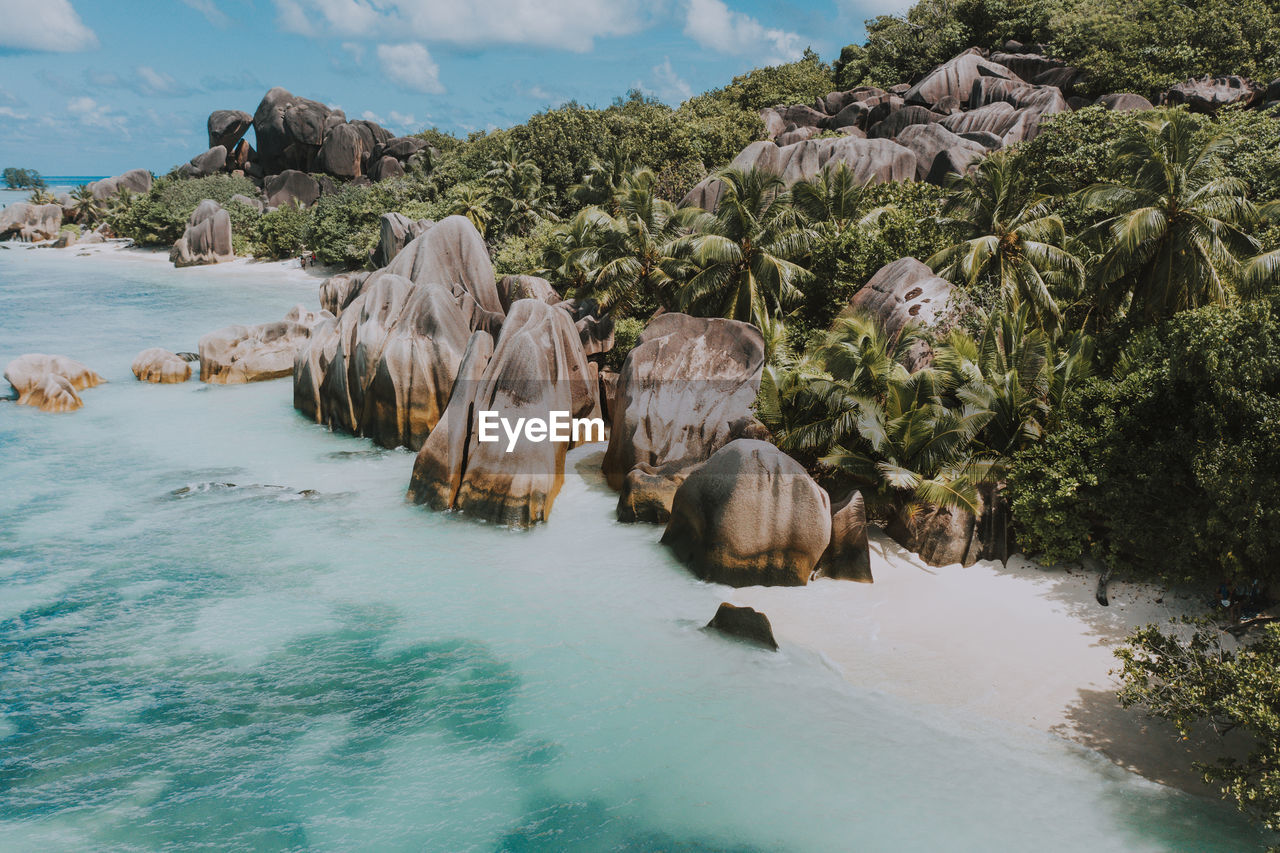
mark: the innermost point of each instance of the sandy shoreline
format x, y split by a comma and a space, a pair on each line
1022, 644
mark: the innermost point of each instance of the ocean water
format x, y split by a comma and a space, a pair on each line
222, 628
54, 183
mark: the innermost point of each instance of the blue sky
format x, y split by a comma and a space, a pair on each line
101, 86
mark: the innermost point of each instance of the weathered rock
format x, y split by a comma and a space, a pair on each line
209, 163
453, 253
65, 239
290, 130
955, 78
1209, 94
685, 391
773, 123
1026, 65
207, 239
338, 291
395, 232
745, 623
1124, 102
537, 367
255, 203
1064, 79
800, 134
239, 354
848, 557
292, 187
403, 147
997, 118
750, 515
227, 127
899, 120
515, 287
160, 366
801, 115
903, 292
385, 168
927, 141
50, 382
342, 152
990, 90
989, 141
647, 494
133, 181
30, 223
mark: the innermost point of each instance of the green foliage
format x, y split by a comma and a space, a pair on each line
21, 179
345, 225
1182, 445
282, 233
796, 82
523, 254
160, 217
626, 334
1192, 680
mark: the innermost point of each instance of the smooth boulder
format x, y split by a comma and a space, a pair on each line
133, 181
237, 354
745, 623
207, 239
50, 383
227, 127
901, 292
750, 516
29, 222
161, 366
292, 187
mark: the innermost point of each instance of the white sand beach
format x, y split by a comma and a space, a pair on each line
1021, 643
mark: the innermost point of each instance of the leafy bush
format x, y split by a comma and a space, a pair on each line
282, 233
160, 217
626, 333
522, 254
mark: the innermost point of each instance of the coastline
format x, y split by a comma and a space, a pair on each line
1024, 644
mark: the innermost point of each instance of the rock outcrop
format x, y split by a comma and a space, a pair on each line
751, 515
207, 239
30, 223
395, 232
161, 366
239, 354
955, 78
848, 557
685, 391
928, 141
536, 368
50, 383
515, 287
904, 291
209, 163
745, 623
343, 151
292, 187
133, 181
227, 127
1124, 102
1210, 94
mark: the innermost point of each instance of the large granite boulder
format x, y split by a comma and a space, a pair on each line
207, 239
209, 163
237, 354
928, 141
161, 366
848, 557
395, 232
133, 181
386, 367
750, 515
1028, 66
1209, 94
50, 382
227, 127
686, 390
955, 78
512, 288
30, 223
453, 253
385, 168
745, 623
989, 90
343, 151
904, 291
997, 118
338, 291
899, 120
290, 131
1124, 102
537, 367
291, 187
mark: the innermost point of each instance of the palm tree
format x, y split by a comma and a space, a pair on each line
743, 253
519, 199
86, 206
835, 196
637, 251
40, 195
603, 179
1015, 246
474, 202
1172, 230
572, 257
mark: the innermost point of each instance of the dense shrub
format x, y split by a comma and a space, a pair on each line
625, 336
160, 216
282, 233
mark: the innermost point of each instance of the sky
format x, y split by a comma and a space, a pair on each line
96, 87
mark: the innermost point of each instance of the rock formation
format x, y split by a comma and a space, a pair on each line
903, 292
514, 287
745, 623
955, 78
292, 187
751, 515
227, 127
395, 232
209, 163
30, 223
1209, 94
134, 181
238, 354
1124, 102
161, 366
848, 557
207, 239
50, 382
685, 391
537, 367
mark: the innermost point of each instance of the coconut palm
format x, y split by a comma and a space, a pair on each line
1014, 245
835, 196
1172, 229
743, 254
40, 195
603, 179
572, 257
86, 206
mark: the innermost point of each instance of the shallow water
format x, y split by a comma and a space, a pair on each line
194, 654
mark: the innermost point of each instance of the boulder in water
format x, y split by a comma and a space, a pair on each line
161, 366
50, 382
745, 623
239, 354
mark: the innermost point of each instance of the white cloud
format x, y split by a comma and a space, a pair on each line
567, 24
356, 50
714, 25
210, 10
668, 85
10, 112
48, 25
411, 67
90, 113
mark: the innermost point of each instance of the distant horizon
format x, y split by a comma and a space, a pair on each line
91, 89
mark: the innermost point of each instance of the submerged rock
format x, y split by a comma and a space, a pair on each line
745, 623
750, 515
161, 366
50, 382
237, 354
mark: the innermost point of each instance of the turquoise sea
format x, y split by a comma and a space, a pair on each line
302, 661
